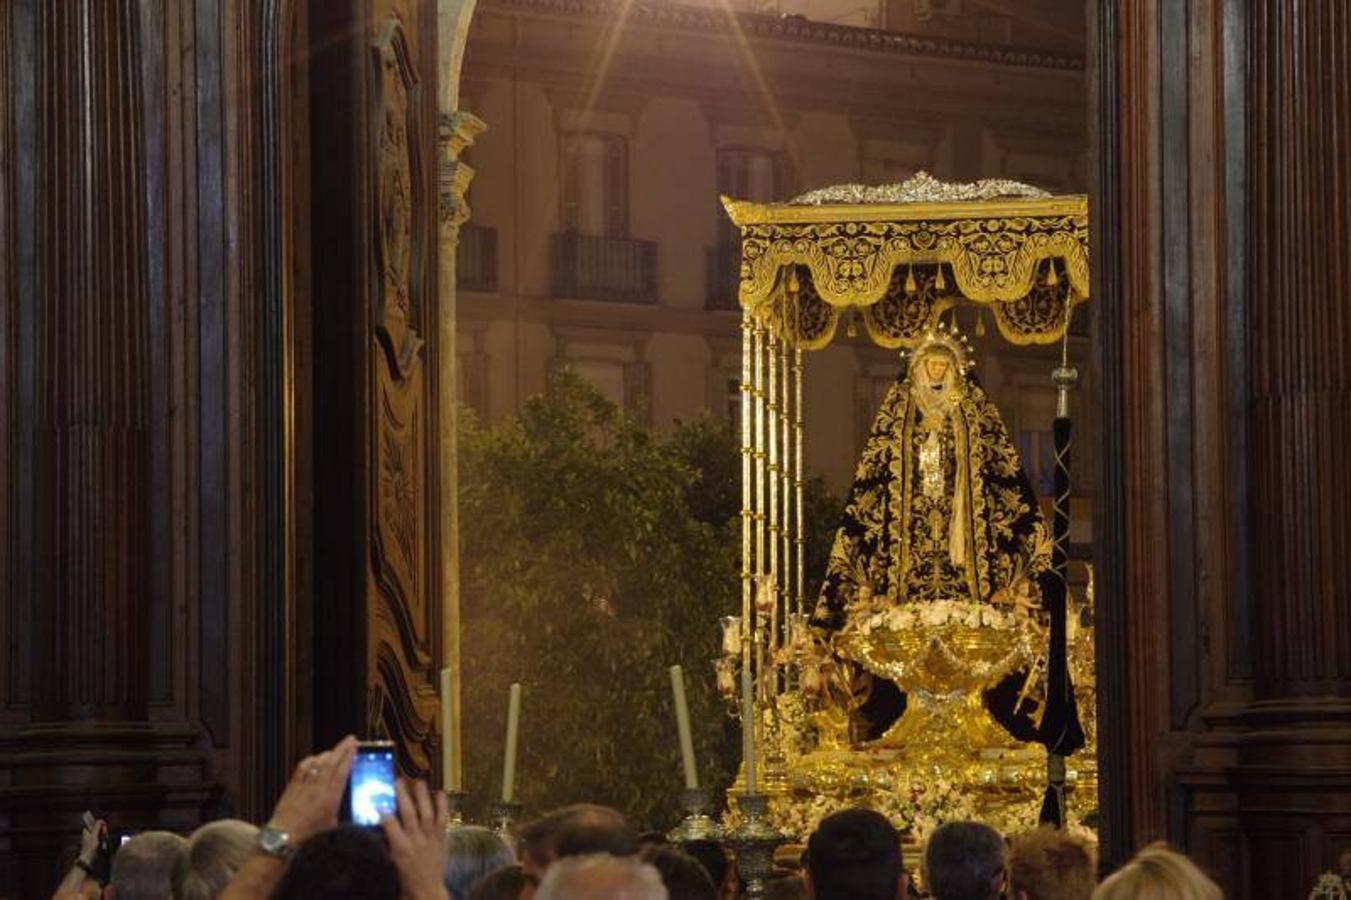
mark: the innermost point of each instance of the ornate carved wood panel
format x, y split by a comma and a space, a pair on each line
400, 609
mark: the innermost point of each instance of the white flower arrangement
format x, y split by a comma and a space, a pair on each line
866, 617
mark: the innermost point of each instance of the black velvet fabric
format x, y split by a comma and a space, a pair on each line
1014, 529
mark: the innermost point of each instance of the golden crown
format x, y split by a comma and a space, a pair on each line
947, 337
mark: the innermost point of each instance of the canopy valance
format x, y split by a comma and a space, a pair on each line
902, 254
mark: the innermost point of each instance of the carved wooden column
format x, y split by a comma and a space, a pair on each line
1297, 760
1300, 353
91, 488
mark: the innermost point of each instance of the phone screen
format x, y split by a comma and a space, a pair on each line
373, 784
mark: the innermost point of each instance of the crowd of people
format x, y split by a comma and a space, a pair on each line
588, 852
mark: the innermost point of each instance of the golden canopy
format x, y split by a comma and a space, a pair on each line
902, 254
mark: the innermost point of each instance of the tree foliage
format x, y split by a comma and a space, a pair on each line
594, 555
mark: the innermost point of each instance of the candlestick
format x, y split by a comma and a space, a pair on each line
455, 806
509, 758
504, 815
683, 728
450, 769
697, 825
754, 843
748, 730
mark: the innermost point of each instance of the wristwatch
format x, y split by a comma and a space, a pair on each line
275, 842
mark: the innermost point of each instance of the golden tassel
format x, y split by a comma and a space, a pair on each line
1052, 279
940, 283
910, 287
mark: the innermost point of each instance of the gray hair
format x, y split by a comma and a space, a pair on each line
601, 877
215, 852
964, 861
472, 852
143, 867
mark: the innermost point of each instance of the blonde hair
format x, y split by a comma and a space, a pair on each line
1158, 873
214, 852
1053, 864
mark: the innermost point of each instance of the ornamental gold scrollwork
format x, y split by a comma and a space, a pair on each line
994, 260
914, 300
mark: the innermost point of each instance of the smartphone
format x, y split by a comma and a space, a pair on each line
372, 788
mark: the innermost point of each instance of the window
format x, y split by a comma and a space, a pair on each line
595, 185
751, 174
744, 174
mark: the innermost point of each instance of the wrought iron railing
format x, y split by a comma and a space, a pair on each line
476, 259
605, 268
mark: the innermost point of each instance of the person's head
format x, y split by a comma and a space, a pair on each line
714, 860
577, 830
215, 851
347, 861
965, 861
684, 876
601, 876
507, 883
472, 852
1051, 864
143, 868
855, 854
1158, 873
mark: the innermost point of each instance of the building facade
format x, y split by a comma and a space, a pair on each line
597, 240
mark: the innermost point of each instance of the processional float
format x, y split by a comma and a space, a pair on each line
930, 678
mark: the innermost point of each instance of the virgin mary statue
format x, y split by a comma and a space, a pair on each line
940, 510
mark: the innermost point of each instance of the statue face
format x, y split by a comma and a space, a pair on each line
936, 378
936, 368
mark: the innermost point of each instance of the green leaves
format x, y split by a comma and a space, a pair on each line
595, 554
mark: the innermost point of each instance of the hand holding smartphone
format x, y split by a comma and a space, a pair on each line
372, 785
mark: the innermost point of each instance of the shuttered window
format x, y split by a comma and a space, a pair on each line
595, 184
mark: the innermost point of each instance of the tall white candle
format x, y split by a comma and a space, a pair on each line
509, 759
450, 776
748, 729
683, 727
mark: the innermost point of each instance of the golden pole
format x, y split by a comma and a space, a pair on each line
787, 524
747, 509
798, 450
761, 485
774, 472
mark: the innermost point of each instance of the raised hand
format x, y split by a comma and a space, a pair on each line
310, 802
417, 842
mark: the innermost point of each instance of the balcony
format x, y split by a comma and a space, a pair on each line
588, 267
476, 259
724, 276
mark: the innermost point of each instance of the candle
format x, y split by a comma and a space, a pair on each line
450, 773
683, 727
513, 727
748, 730
731, 635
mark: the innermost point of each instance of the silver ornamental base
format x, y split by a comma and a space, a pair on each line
455, 806
754, 843
504, 815
697, 824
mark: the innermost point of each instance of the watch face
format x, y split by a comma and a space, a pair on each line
273, 840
